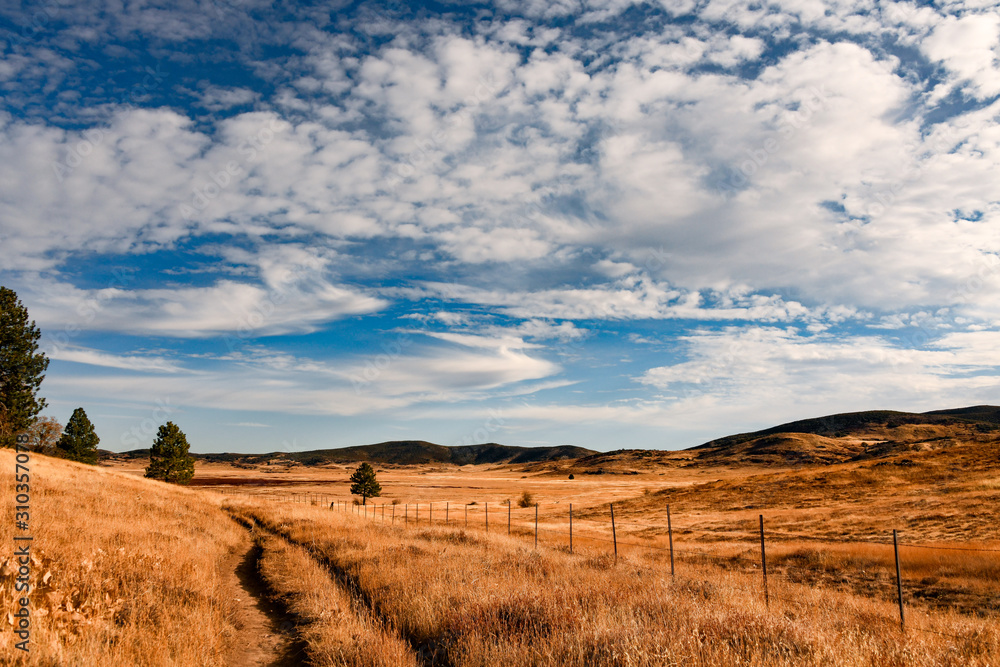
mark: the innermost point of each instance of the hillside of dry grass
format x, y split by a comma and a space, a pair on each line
942, 494
822, 441
125, 571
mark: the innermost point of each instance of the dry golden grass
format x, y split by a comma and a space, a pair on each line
336, 630
131, 569
138, 568
470, 598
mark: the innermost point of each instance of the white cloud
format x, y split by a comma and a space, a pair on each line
970, 47
227, 307
760, 368
823, 188
216, 98
638, 297
400, 375
92, 357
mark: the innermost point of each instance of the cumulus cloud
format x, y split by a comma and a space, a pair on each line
970, 48
761, 366
507, 177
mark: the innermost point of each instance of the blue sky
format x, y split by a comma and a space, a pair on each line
289, 226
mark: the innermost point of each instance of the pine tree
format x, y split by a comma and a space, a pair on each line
22, 368
364, 484
79, 441
169, 459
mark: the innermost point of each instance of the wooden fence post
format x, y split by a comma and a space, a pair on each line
670, 537
899, 582
571, 527
508, 516
614, 534
536, 525
430, 513
763, 561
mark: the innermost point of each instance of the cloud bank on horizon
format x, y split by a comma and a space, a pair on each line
616, 224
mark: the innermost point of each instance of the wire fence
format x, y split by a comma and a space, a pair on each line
748, 548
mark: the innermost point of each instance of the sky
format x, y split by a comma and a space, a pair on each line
292, 226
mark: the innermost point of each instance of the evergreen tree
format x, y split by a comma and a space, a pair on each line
364, 484
22, 368
79, 441
169, 459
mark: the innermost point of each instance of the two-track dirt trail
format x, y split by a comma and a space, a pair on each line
301, 612
267, 631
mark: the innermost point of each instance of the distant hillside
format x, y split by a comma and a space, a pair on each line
852, 423
853, 436
400, 452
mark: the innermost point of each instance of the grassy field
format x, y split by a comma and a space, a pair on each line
465, 597
124, 571
253, 567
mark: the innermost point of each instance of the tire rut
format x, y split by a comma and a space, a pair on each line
268, 637
428, 653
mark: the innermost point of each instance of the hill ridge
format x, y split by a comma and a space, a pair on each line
847, 423
400, 452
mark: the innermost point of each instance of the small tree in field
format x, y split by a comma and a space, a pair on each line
79, 441
364, 484
44, 434
169, 459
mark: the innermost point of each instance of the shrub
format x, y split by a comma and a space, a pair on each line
526, 500
571, 476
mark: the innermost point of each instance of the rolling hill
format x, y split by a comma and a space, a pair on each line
854, 436
838, 438
400, 452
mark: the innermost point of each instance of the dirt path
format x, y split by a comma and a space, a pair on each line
267, 636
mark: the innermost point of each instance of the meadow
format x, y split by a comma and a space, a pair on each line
252, 565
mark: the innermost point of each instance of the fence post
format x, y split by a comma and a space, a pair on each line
614, 534
446, 513
763, 561
392, 521
536, 525
899, 582
487, 506
670, 537
508, 516
406, 514
571, 527
416, 514
466, 515
430, 513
